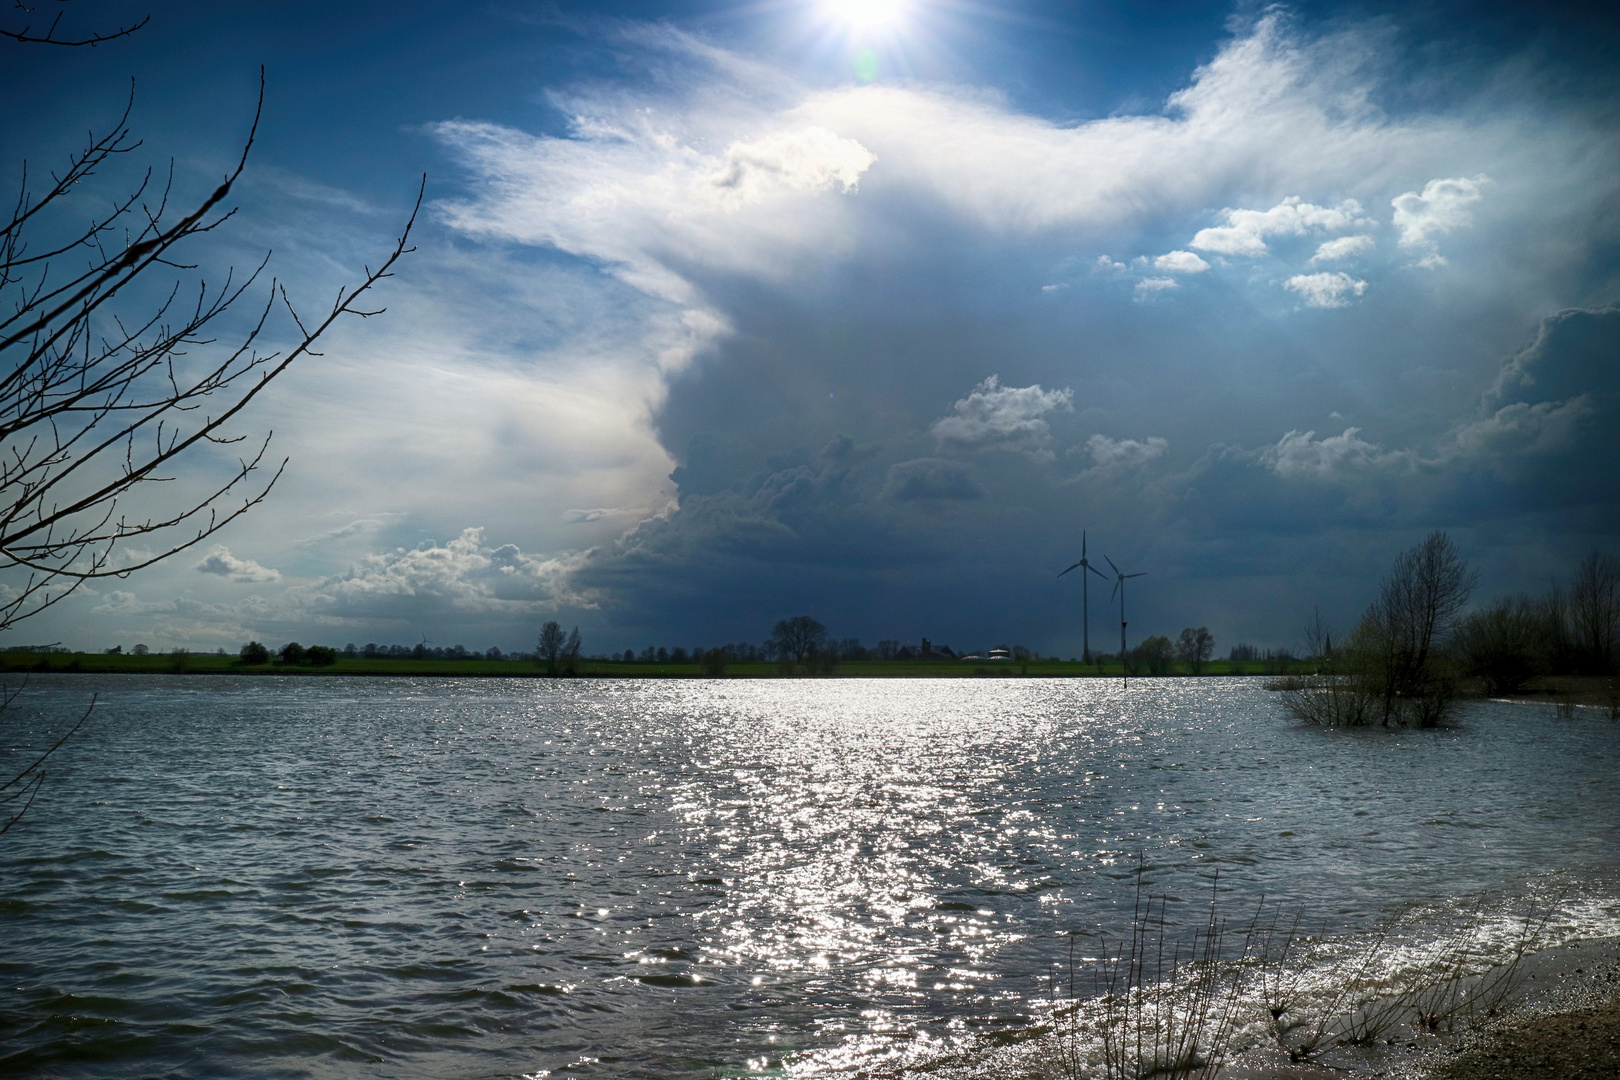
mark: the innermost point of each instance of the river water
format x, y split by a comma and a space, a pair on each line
416, 877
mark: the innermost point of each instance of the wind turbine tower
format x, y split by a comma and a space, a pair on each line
1085, 598
1119, 587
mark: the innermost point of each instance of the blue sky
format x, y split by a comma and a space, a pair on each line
727, 312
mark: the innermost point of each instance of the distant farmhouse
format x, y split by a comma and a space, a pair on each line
925, 651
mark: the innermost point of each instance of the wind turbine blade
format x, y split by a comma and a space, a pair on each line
1071, 568
1112, 591
1082, 545
1096, 571
1142, 574
1110, 562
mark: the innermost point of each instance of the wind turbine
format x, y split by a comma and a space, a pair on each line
1119, 587
1085, 598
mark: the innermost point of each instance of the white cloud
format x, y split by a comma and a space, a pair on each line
1125, 453
220, 561
1343, 247
1443, 206
809, 160
367, 524
1152, 285
1302, 454
1180, 262
464, 575
643, 200
996, 417
1326, 290
1245, 230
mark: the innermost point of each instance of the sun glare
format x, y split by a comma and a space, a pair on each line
866, 14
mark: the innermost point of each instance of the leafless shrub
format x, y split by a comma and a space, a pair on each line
1161, 1006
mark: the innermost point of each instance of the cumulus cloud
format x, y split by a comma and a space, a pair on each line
809, 160
1301, 454
220, 561
464, 575
1524, 428
1442, 207
1343, 247
1125, 453
1180, 262
996, 417
1245, 231
929, 478
581, 517
1154, 285
1330, 289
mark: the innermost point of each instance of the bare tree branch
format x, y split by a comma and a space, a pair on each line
28, 36
96, 401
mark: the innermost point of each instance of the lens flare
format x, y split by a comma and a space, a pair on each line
866, 14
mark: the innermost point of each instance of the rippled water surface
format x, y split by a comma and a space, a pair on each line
313, 877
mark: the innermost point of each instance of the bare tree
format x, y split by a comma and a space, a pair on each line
104, 393
571, 650
798, 638
98, 401
1396, 646
1394, 670
552, 641
1594, 612
1502, 644
1195, 647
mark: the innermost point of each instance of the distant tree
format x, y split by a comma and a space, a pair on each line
1020, 653
629, 656
1153, 656
255, 653
320, 655
292, 653
570, 652
551, 645
714, 663
1594, 609
115, 650
1502, 644
177, 658
887, 648
350, 652
663, 655
140, 650
677, 655
493, 653
797, 638
1195, 647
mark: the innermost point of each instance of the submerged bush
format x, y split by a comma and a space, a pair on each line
1399, 668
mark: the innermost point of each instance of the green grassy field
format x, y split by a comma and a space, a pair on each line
208, 664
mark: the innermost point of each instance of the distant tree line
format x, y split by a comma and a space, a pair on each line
293, 653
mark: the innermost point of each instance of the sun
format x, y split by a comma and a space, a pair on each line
866, 14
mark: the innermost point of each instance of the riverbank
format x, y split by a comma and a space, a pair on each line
1563, 1023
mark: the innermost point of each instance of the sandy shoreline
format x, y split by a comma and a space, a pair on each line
1562, 1024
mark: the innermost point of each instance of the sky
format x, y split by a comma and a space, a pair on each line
721, 313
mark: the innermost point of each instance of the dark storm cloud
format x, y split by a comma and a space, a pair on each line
930, 478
